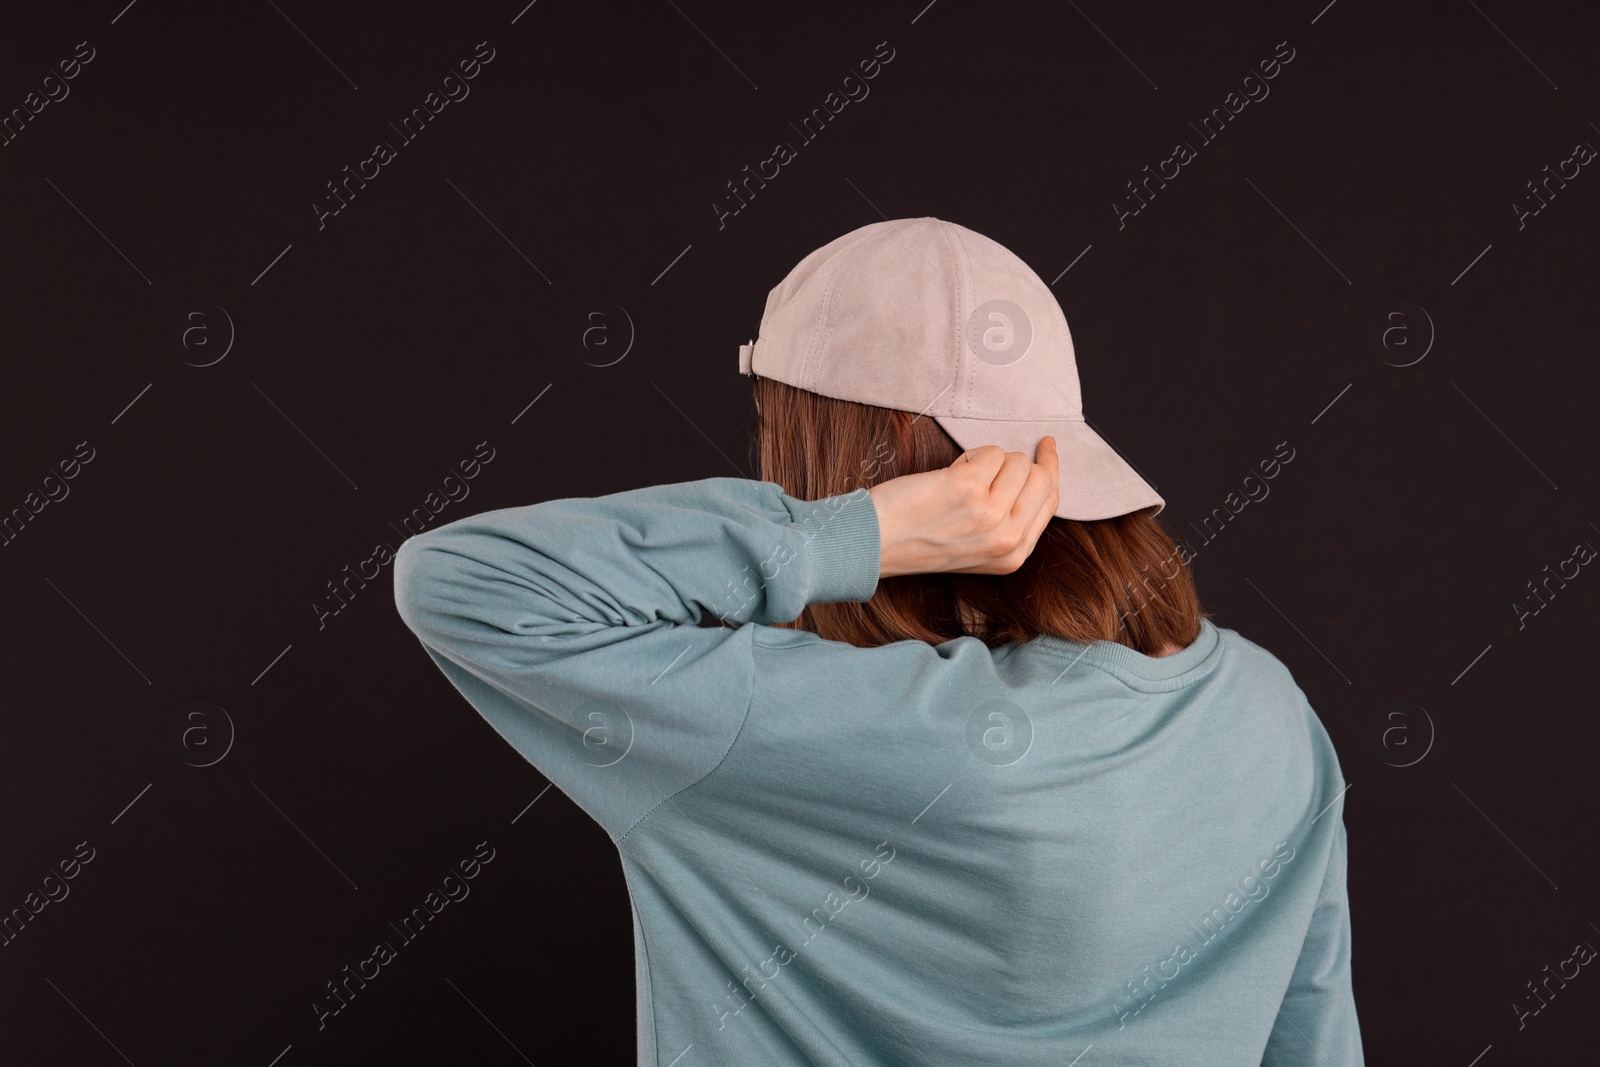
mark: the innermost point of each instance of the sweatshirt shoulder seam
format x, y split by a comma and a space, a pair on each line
744, 718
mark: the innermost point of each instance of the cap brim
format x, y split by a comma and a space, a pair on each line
1096, 483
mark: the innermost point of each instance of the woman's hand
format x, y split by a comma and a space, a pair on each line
981, 515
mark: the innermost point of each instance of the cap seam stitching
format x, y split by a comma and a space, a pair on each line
952, 236
822, 329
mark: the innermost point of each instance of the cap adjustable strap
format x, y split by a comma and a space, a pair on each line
746, 351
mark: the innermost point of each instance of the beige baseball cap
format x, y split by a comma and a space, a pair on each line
927, 316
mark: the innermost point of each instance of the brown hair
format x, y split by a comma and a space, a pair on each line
1120, 579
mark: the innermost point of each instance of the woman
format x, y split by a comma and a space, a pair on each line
919, 750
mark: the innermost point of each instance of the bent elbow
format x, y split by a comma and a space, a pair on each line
419, 572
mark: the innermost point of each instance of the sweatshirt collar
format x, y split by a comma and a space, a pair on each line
1146, 673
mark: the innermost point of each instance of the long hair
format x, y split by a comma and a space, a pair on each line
1120, 579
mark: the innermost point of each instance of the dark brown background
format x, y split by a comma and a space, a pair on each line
374, 354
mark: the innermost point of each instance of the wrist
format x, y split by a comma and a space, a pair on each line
840, 537
892, 560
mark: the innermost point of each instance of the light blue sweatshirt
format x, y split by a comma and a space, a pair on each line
1051, 853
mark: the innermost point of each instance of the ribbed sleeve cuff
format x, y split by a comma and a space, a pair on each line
841, 543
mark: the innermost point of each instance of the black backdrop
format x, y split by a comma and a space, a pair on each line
249, 778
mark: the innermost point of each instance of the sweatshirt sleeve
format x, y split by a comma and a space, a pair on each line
606, 638
1317, 1021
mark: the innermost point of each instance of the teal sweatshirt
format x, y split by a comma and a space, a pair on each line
1049, 853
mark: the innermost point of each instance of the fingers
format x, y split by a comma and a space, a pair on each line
1004, 501
1049, 453
984, 460
1046, 511
1022, 485
1025, 495
1042, 490
1018, 488
1036, 504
